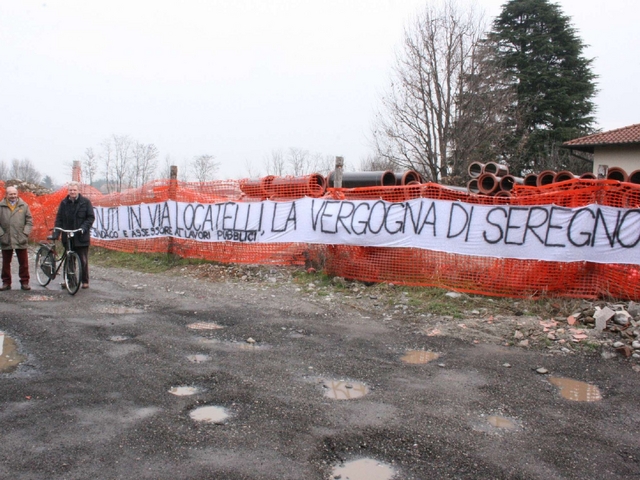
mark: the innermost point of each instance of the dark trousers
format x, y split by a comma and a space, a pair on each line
23, 265
83, 253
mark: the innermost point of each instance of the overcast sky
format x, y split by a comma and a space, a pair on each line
236, 78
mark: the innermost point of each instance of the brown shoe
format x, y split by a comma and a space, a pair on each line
85, 285
25, 286
5, 286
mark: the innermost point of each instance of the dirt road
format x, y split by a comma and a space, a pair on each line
299, 385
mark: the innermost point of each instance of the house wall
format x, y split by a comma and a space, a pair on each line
626, 157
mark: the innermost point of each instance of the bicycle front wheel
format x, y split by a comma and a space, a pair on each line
72, 272
45, 266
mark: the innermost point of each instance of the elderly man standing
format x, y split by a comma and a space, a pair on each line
15, 227
75, 211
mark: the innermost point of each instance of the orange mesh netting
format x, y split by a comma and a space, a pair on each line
405, 266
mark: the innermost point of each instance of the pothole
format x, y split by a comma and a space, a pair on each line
575, 390
344, 390
210, 414
9, 356
198, 358
38, 298
417, 357
496, 424
503, 423
184, 390
119, 338
364, 469
119, 310
249, 346
231, 345
204, 326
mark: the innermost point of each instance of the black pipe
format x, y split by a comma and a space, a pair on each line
364, 179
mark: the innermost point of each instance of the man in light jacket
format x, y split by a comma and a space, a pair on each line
15, 226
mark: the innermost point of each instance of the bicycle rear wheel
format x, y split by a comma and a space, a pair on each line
45, 266
72, 272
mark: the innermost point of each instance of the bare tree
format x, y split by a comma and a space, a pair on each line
275, 163
24, 170
183, 170
322, 164
144, 163
376, 163
90, 164
122, 160
416, 126
4, 170
204, 167
118, 155
480, 130
108, 157
298, 161
250, 169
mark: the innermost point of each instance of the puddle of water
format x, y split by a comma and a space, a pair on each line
204, 326
364, 469
575, 390
198, 358
417, 357
119, 338
183, 390
9, 356
234, 345
341, 390
120, 310
38, 298
210, 414
501, 422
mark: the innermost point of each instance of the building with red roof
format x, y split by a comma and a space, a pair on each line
615, 148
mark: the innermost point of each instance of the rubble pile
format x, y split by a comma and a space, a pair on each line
615, 328
23, 186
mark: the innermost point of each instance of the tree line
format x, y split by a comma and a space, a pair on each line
122, 162
460, 93
23, 169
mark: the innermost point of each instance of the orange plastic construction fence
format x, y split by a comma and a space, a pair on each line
401, 266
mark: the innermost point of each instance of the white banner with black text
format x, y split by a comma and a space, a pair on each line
593, 233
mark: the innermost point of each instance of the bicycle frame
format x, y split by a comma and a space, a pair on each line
69, 259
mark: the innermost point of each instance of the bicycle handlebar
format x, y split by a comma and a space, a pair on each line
68, 231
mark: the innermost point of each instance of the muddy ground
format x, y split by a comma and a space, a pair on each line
312, 376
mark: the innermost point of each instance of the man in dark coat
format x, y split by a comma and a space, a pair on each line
15, 226
74, 212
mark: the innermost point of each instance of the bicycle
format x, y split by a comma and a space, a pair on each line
48, 263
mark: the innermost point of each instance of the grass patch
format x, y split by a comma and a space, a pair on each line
423, 299
141, 262
319, 279
590, 346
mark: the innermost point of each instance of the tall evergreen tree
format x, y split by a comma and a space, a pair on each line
540, 49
